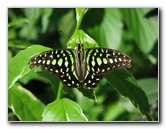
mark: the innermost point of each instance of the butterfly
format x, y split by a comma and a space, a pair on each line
81, 67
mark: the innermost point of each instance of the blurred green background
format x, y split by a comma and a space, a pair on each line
133, 31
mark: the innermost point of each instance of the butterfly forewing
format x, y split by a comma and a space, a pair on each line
59, 62
101, 61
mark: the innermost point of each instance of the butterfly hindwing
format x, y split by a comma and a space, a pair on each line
91, 81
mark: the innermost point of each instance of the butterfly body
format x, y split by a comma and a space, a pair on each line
81, 67
80, 62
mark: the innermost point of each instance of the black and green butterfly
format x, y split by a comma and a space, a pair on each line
81, 67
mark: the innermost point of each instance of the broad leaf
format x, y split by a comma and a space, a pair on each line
128, 87
18, 65
63, 110
150, 86
105, 28
144, 30
24, 104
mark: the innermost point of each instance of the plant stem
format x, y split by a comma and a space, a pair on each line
59, 91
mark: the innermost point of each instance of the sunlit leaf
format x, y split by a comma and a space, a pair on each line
63, 110
81, 37
18, 65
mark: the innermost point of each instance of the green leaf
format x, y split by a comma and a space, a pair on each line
150, 86
128, 87
80, 12
18, 65
30, 76
29, 31
66, 24
81, 37
88, 93
63, 110
17, 21
106, 28
21, 44
144, 30
113, 111
45, 18
24, 104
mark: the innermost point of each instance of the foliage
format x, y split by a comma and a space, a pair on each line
35, 95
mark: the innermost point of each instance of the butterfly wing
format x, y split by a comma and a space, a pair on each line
59, 62
101, 61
